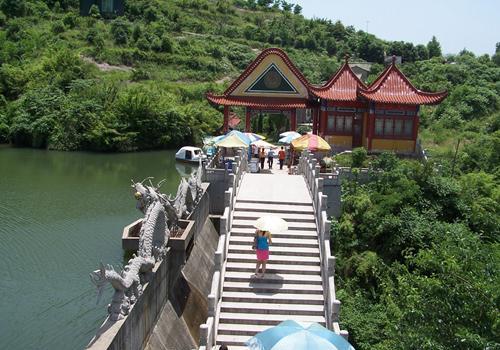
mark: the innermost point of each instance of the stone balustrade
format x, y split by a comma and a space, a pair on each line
208, 330
310, 169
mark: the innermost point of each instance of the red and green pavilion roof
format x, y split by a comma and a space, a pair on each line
391, 87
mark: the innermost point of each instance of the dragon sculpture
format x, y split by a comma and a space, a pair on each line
161, 218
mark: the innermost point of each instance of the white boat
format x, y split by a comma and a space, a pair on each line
190, 154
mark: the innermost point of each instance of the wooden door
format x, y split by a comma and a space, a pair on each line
357, 131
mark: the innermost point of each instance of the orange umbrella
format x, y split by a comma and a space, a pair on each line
310, 142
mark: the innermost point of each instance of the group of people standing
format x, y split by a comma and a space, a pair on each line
270, 158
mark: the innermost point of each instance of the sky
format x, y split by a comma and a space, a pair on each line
457, 24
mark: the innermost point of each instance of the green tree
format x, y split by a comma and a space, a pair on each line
496, 57
120, 31
421, 52
434, 48
286, 6
359, 155
13, 8
370, 49
297, 9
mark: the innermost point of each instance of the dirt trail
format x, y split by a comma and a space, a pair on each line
106, 67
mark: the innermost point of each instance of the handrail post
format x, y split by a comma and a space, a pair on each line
335, 310
212, 302
203, 334
331, 266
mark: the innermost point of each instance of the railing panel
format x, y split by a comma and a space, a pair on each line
208, 331
316, 182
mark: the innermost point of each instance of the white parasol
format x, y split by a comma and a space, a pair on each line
264, 144
273, 224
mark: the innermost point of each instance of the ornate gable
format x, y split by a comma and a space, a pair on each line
271, 74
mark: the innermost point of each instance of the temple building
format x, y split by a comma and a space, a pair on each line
345, 111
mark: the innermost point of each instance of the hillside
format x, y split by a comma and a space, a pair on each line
156, 63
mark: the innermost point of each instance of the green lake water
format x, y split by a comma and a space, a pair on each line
61, 213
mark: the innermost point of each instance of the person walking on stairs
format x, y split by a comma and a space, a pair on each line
261, 244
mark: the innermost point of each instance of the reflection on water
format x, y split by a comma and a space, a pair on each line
185, 169
60, 215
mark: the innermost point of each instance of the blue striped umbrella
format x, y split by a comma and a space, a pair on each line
288, 139
254, 137
240, 135
290, 335
288, 133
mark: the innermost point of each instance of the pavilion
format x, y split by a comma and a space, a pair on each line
345, 111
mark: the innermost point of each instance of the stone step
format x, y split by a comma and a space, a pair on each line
275, 268
304, 226
235, 276
288, 217
259, 287
272, 308
272, 298
241, 329
278, 259
297, 234
277, 241
260, 201
270, 320
274, 208
299, 251
232, 341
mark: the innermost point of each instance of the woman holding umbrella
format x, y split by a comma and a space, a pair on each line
261, 246
265, 225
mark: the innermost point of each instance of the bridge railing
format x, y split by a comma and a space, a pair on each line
208, 330
310, 169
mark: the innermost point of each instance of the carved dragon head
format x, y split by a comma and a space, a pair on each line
145, 195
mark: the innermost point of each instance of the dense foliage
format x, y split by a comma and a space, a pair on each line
67, 82
418, 258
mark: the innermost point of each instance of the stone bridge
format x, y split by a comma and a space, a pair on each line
299, 281
205, 277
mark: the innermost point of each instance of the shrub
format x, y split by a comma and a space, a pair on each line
358, 157
58, 27
167, 45
143, 44
70, 20
94, 12
303, 129
13, 8
140, 74
137, 32
151, 14
3, 18
120, 31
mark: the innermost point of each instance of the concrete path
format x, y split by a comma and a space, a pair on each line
292, 287
279, 188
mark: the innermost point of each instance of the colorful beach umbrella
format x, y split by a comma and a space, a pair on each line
263, 144
288, 133
290, 335
211, 140
254, 137
240, 135
310, 142
231, 141
288, 139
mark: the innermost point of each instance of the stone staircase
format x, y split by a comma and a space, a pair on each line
292, 287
